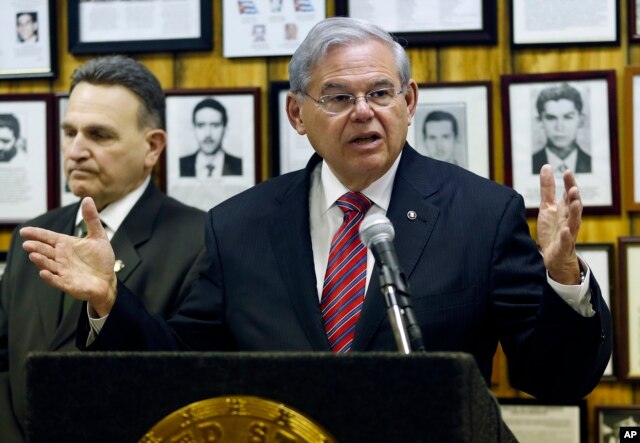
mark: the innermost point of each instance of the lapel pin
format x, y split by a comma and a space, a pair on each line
412, 215
118, 266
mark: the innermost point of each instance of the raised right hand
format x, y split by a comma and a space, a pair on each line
81, 267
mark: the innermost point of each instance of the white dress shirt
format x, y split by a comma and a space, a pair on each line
112, 217
326, 218
204, 160
560, 165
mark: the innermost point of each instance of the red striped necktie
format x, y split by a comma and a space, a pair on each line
344, 281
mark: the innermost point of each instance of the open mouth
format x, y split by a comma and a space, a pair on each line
365, 140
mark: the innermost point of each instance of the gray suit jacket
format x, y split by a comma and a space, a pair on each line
160, 242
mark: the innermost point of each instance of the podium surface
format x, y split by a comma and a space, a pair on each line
361, 397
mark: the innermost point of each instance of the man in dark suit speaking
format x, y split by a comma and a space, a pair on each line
560, 115
113, 136
210, 160
288, 272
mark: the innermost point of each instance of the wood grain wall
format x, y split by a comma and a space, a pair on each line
210, 69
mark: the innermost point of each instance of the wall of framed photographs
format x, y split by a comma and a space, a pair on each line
602, 70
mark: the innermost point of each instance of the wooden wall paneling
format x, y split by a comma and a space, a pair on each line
535, 61
424, 64
278, 69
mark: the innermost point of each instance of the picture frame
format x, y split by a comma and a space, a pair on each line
634, 21
26, 157
200, 121
600, 258
610, 418
133, 27
628, 308
530, 26
534, 420
251, 29
3, 262
548, 118
418, 25
632, 121
460, 118
290, 151
64, 194
28, 39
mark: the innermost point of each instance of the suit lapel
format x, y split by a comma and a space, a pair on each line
288, 225
413, 184
135, 229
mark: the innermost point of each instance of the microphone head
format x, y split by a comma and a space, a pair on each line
376, 227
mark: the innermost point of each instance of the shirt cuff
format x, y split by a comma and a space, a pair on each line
96, 325
576, 296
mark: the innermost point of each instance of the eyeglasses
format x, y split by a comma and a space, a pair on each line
335, 104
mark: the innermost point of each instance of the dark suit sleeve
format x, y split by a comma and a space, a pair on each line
199, 323
553, 352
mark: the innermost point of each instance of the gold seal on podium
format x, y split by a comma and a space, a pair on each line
237, 419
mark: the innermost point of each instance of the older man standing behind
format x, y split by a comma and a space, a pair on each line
113, 137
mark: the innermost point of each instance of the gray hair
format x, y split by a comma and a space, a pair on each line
118, 70
335, 32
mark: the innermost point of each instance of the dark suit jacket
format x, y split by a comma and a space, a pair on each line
231, 166
539, 159
161, 244
474, 271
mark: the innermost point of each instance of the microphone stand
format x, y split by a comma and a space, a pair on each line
400, 311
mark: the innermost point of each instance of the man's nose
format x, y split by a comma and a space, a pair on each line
361, 109
76, 148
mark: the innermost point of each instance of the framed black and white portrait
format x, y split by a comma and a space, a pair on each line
629, 308
25, 156
567, 120
634, 20
27, 39
632, 127
65, 196
453, 124
290, 151
610, 420
599, 257
213, 144
3, 262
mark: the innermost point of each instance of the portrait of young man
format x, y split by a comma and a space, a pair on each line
11, 145
27, 27
210, 160
560, 115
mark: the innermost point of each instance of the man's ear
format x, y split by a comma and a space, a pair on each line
581, 121
294, 113
411, 97
156, 141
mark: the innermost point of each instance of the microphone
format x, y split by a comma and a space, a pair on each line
377, 233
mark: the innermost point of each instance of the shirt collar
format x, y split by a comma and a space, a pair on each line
379, 192
570, 161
